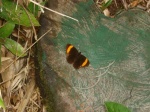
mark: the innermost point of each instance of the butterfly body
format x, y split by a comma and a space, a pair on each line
76, 58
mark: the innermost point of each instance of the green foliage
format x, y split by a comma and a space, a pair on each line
14, 47
19, 16
116, 107
13, 16
10, 44
2, 103
33, 8
6, 29
105, 5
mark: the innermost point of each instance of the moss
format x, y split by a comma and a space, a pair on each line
48, 98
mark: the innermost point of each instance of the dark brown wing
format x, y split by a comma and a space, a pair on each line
81, 61
71, 53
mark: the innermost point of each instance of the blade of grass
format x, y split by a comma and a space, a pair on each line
105, 5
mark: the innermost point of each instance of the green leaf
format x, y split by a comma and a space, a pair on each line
116, 107
6, 29
14, 47
19, 16
2, 103
105, 5
33, 8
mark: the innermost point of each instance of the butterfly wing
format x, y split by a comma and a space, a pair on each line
72, 53
81, 61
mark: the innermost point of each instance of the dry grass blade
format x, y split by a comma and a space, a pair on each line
25, 51
15, 84
54, 11
27, 96
124, 2
19, 80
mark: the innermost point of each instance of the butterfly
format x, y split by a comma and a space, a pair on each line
76, 58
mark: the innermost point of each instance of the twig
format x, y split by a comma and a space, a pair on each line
53, 11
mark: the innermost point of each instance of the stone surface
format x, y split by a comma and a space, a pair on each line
118, 50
